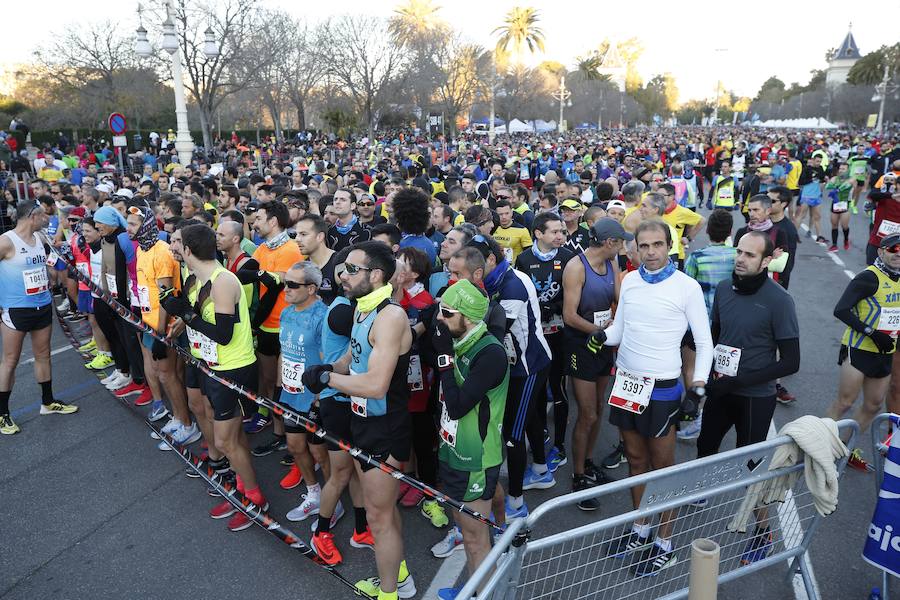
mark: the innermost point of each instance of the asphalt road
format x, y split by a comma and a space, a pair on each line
89, 508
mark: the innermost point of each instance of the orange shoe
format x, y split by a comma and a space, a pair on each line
363, 540
240, 521
222, 510
292, 479
323, 545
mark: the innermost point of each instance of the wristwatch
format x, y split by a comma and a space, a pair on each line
700, 390
325, 377
868, 330
444, 361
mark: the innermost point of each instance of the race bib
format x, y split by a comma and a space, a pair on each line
726, 193
414, 374
111, 285
144, 298
887, 228
52, 257
204, 346
83, 269
554, 325
510, 348
36, 281
839, 206
601, 317
358, 404
291, 372
449, 427
727, 360
631, 392
508, 254
889, 320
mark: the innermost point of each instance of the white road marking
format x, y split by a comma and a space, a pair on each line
52, 353
447, 574
836, 259
849, 273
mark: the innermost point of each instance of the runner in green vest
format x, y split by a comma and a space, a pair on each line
473, 399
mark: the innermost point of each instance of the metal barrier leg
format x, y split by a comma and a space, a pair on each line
807, 580
704, 576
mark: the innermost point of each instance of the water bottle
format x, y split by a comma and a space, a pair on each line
876, 594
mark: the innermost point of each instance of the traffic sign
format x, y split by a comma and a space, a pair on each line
117, 123
119, 140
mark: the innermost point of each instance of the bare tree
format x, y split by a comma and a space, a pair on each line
303, 67
463, 70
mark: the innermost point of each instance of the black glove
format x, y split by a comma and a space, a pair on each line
312, 378
720, 386
690, 404
442, 342
427, 315
883, 341
177, 304
596, 341
159, 351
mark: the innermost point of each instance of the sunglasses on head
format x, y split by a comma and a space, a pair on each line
354, 269
134, 210
295, 285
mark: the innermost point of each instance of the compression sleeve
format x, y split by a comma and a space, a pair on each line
787, 363
862, 286
221, 331
483, 376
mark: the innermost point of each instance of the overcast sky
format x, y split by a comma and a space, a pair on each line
786, 39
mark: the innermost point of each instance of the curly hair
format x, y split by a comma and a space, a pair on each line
411, 210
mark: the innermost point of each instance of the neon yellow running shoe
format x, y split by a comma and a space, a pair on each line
406, 587
8, 426
432, 510
58, 408
91, 345
100, 362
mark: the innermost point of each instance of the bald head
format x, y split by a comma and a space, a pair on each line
229, 235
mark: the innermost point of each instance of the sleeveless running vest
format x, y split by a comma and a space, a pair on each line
597, 295
880, 311
360, 349
334, 346
724, 193
235, 354
301, 346
24, 281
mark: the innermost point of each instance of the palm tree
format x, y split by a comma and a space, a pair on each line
869, 70
589, 69
519, 30
414, 21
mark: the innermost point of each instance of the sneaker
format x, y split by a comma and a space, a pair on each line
654, 560
131, 389
821, 240
323, 545
309, 507
287, 460
181, 436
363, 540
556, 458
223, 510
434, 512
699, 503
58, 408
614, 458
64, 307
191, 473
76, 317
338, 513
240, 521
452, 542
278, 443
8, 426
257, 424
145, 398
847, 244
91, 345
690, 430
516, 513
158, 411
782, 395
583, 483
832, 248
111, 377
597, 476
412, 497
758, 548
448, 593
857, 462
406, 587
627, 544
292, 479
117, 382
535, 481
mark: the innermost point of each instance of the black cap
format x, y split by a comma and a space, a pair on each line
889, 241
608, 228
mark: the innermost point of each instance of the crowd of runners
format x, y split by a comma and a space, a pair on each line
434, 304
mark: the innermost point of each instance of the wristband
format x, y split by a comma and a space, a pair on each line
444, 361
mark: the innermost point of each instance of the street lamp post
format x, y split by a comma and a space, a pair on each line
184, 145
884, 88
563, 95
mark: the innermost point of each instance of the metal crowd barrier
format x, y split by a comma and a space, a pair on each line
879, 431
531, 561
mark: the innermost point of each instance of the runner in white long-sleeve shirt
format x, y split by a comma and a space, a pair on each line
657, 305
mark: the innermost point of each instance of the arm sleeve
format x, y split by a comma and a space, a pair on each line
787, 363
862, 286
483, 376
698, 321
221, 331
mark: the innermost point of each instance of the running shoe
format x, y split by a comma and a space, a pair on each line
782, 395
556, 458
223, 510
580, 483
111, 377
448, 593
323, 545
699, 503
257, 424
277, 444
76, 317
338, 513
309, 507
516, 513
758, 548
90, 345
654, 560
58, 408
132, 389
287, 460
857, 462
690, 430
183, 436
434, 512
821, 240
614, 458
145, 398
537, 481
406, 587
64, 307
170, 426
847, 243
292, 479
627, 544
117, 382
240, 521
412, 497
452, 542
598, 476
363, 540
100, 362
158, 411
8, 426
832, 248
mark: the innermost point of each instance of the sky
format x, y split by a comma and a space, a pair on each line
785, 39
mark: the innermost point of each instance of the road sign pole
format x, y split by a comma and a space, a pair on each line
121, 162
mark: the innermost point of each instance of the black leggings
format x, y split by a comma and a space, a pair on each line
424, 443
556, 380
128, 337
750, 418
519, 420
106, 321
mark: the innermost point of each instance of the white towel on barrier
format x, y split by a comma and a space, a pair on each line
817, 443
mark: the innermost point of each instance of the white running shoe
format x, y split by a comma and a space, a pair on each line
118, 383
452, 542
112, 377
309, 507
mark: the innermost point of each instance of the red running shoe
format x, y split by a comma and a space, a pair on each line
323, 544
240, 521
129, 390
292, 479
411, 498
222, 510
145, 398
363, 540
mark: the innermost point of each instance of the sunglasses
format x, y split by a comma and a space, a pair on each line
365, 204
74, 220
504, 196
354, 269
134, 210
448, 312
893, 249
295, 285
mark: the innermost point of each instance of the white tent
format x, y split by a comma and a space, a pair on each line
805, 123
517, 126
544, 126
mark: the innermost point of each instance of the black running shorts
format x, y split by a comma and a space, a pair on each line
383, 437
27, 319
313, 415
267, 343
585, 365
468, 486
225, 401
657, 419
874, 365
335, 415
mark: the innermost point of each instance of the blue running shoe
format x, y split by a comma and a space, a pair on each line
257, 423
556, 458
449, 593
535, 481
158, 411
758, 548
515, 513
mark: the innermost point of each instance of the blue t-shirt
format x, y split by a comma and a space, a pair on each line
301, 345
422, 243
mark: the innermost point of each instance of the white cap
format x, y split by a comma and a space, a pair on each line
105, 188
124, 192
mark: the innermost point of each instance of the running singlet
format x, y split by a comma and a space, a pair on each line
597, 297
279, 260
24, 281
239, 351
360, 348
301, 345
880, 311
335, 343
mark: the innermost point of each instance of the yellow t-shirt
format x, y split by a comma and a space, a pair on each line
154, 264
279, 260
792, 181
681, 219
513, 239
459, 219
49, 174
